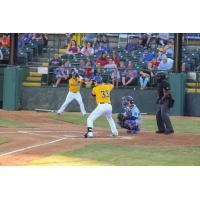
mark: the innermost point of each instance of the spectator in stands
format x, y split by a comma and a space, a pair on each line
73, 48
155, 63
122, 68
161, 52
29, 36
169, 48
98, 49
62, 72
87, 50
5, 40
145, 39
102, 38
88, 71
81, 68
115, 58
115, 76
166, 64
102, 60
162, 39
129, 75
45, 39
1, 54
53, 64
147, 56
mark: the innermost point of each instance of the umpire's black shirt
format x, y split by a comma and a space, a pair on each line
163, 85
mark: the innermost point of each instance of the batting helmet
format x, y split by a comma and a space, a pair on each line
75, 74
98, 79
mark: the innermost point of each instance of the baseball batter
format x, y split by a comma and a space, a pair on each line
102, 93
74, 93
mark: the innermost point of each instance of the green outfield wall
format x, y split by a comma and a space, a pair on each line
52, 98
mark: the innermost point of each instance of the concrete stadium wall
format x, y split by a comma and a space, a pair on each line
52, 98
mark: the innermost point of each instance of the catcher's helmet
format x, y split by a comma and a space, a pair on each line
98, 79
127, 99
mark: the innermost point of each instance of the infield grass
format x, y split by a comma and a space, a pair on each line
3, 141
7, 123
119, 155
181, 124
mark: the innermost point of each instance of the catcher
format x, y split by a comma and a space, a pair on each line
131, 118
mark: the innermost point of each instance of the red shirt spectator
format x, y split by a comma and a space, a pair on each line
155, 63
115, 58
102, 60
5, 40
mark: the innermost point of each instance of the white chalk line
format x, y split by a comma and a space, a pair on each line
64, 137
31, 147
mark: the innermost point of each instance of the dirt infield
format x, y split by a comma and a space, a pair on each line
53, 137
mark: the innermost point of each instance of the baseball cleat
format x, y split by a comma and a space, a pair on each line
159, 132
168, 132
114, 134
89, 135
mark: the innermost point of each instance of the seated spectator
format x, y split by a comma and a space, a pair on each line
169, 48
62, 72
161, 52
147, 56
115, 76
146, 75
98, 49
29, 36
162, 39
88, 71
115, 58
73, 48
145, 39
102, 60
87, 50
129, 75
155, 63
81, 68
1, 54
111, 64
102, 38
122, 68
5, 41
44, 39
166, 64
53, 64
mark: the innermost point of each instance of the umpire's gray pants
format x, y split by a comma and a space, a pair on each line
162, 117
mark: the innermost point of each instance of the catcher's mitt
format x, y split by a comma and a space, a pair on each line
121, 119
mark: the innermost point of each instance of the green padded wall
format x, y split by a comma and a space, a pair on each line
177, 82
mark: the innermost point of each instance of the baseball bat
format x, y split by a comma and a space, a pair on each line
44, 110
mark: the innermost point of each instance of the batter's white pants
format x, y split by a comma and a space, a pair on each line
70, 97
101, 109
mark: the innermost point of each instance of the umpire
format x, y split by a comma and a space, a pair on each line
164, 102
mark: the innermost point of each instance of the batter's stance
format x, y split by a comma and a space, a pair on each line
102, 93
74, 93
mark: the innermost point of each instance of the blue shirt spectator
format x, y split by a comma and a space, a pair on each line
147, 56
166, 64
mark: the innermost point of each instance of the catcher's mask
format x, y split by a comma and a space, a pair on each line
126, 100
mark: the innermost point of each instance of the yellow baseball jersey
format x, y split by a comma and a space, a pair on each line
73, 88
102, 93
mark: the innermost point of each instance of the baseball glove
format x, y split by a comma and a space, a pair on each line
121, 119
